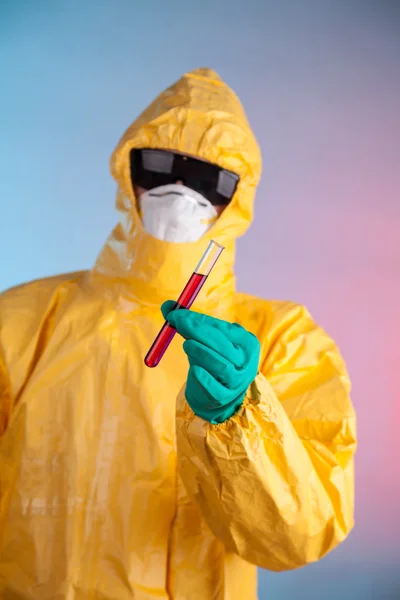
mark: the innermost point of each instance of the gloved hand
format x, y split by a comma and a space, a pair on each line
223, 360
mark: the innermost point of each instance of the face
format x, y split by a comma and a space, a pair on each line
139, 191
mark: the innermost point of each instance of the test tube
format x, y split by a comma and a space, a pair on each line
185, 300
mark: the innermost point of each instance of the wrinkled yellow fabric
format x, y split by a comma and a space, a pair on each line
110, 487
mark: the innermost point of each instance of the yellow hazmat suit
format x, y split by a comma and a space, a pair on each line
113, 489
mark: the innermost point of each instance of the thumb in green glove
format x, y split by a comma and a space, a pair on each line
223, 359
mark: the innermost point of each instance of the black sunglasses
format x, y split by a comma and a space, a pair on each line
153, 168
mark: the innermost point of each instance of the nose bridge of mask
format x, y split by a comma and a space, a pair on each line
180, 192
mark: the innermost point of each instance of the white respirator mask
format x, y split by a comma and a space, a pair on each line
176, 213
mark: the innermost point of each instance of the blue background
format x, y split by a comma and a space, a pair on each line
320, 81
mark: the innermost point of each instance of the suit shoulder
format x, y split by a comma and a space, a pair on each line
25, 307
268, 311
36, 291
25, 312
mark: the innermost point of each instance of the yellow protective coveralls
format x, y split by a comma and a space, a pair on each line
110, 487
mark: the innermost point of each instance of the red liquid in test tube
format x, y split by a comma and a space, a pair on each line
185, 300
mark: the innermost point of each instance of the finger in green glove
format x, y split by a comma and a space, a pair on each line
223, 359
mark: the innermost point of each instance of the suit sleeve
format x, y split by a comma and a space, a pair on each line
5, 399
275, 482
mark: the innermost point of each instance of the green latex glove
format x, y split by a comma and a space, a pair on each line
223, 360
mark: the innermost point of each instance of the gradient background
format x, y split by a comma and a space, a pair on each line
320, 81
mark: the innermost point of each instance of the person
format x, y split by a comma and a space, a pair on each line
119, 481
